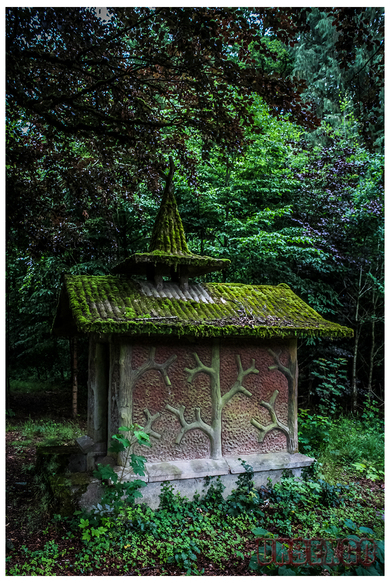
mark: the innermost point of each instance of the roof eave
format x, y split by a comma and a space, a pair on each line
134, 328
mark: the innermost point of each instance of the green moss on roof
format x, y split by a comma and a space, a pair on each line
168, 232
195, 264
186, 259
108, 304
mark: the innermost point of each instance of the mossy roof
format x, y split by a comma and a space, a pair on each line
112, 304
195, 264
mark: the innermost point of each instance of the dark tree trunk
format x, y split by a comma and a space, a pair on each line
74, 375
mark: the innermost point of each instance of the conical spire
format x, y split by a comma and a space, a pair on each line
168, 252
168, 233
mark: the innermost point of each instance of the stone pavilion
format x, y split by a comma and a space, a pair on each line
209, 370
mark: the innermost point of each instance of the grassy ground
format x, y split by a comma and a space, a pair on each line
343, 496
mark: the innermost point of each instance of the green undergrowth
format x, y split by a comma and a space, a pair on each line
189, 535
345, 446
176, 534
314, 507
340, 556
186, 537
34, 385
46, 432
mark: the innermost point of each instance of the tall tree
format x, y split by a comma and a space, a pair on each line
341, 209
341, 57
95, 107
310, 216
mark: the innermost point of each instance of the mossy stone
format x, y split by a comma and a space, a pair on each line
66, 490
168, 251
54, 456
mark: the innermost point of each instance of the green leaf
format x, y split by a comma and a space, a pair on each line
261, 532
253, 564
368, 571
285, 571
124, 428
142, 438
105, 473
380, 550
350, 524
86, 536
365, 529
123, 440
138, 464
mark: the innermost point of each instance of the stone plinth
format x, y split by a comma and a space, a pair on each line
188, 477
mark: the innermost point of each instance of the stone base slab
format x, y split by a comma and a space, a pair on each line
200, 468
183, 470
186, 476
263, 462
265, 466
188, 488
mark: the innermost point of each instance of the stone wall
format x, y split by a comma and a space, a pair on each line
204, 399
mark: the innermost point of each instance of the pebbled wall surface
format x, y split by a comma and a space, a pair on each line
239, 436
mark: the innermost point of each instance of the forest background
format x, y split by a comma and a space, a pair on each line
274, 119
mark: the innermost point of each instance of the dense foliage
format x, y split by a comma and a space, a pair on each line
288, 191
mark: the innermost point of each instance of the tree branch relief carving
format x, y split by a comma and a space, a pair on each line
218, 401
128, 379
150, 419
291, 429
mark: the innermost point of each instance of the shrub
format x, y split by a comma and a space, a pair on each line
313, 432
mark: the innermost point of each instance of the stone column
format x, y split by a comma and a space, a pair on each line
293, 397
98, 391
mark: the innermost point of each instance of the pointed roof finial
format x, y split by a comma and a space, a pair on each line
168, 252
168, 233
